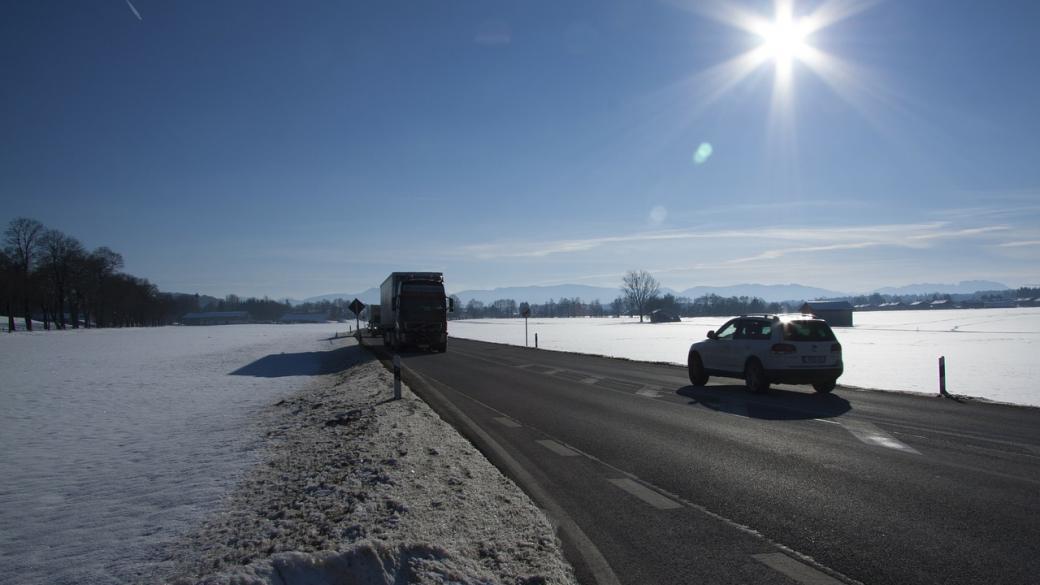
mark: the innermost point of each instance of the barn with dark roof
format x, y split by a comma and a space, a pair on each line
835, 313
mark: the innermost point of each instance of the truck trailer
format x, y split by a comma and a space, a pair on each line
414, 310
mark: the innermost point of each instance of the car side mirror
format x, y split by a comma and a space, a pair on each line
711, 335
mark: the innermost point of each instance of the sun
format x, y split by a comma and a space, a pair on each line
785, 39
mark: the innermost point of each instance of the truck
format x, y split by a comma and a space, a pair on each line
414, 311
374, 313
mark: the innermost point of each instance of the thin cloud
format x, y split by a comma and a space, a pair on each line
774, 254
908, 235
134, 10
960, 233
1021, 244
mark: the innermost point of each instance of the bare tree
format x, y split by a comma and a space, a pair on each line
639, 288
60, 255
22, 238
8, 276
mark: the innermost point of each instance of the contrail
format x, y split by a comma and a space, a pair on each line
134, 10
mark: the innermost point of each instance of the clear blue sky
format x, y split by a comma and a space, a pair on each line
313, 147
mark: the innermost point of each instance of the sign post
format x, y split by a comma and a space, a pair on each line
356, 307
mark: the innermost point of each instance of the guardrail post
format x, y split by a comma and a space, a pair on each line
942, 376
536, 341
397, 377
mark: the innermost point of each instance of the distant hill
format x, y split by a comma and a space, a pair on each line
767, 292
964, 287
542, 294
368, 297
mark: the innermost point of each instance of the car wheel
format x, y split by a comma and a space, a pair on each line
696, 367
755, 377
825, 386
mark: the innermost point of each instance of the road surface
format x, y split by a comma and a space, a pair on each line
652, 480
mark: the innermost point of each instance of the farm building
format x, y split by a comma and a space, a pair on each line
835, 313
217, 318
659, 316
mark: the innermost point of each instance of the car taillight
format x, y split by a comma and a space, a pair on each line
835, 347
783, 348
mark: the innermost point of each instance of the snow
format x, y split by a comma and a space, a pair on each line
118, 448
989, 352
357, 488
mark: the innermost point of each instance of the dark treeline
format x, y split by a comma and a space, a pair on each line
267, 310
708, 305
51, 277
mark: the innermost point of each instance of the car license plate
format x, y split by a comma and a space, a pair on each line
813, 359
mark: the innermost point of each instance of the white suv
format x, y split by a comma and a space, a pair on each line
789, 349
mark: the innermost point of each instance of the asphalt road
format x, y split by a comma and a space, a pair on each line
652, 480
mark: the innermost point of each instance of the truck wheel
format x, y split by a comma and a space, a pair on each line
755, 377
442, 348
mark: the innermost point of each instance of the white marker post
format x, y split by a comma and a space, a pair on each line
397, 377
942, 376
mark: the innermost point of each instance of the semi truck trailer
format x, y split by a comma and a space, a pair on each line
414, 310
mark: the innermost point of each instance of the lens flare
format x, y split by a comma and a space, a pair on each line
703, 153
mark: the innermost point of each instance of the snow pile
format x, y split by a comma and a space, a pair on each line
989, 352
357, 488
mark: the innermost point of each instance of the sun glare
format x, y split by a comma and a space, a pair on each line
784, 40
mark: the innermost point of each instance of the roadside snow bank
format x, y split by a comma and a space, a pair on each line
357, 488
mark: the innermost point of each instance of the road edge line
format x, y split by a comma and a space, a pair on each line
593, 559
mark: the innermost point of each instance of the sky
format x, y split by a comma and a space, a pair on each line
302, 148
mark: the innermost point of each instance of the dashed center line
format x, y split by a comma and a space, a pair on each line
872, 435
649, 392
557, 448
795, 570
646, 494
507, 422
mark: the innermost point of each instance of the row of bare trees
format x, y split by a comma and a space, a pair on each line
50, 275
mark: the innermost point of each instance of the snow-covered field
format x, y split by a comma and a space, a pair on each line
114, 441
990, 353
246, 454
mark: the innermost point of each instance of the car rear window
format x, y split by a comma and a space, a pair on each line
807, 331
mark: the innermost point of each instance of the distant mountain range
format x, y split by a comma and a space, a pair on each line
965, 287
541, 294
767, 292
368, 297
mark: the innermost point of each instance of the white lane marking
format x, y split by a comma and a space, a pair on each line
795, 570
646, 494
551, 372
649, 392
557, 448
872, 435
507, 422
589, 380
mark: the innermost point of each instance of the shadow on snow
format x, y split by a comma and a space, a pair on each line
310, 363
